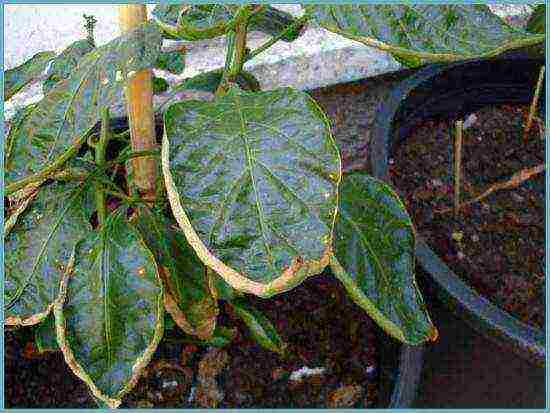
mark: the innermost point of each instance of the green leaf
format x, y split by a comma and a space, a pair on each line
537, 20
187, 293
252, 179
18, 203
57, 126
260, 327
13, 133
45, 336
432, 33
222, 337
219, 287
273, 22
39, 249
173, 62
374, 258
194, 22
109, 315
160, 85
17, 78
65, 64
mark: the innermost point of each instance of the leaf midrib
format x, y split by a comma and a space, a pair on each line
250, 162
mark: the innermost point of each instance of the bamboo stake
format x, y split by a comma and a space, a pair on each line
458, 164
139, 96
534, 103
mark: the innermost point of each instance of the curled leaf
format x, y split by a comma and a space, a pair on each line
109, 314
425, 32
374, 258
262, 330
39, 248
187, 297
65, 63
51, 133
32, 70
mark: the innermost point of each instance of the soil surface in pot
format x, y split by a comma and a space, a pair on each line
328, 336
497, 244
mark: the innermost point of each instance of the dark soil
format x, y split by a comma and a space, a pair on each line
322, 326
497, 245
33, 381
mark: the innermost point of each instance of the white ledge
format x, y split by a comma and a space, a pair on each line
318, 58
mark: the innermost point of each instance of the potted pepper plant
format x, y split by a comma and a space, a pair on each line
109, 230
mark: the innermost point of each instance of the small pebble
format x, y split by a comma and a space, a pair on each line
469, 121
278, 373
345, 396
517, 197
436, 182
458, 236
144, 404
298, 375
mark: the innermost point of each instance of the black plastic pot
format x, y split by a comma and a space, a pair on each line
451, 92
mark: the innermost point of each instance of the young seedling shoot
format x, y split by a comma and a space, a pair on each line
534, 103
459, 125
90, 25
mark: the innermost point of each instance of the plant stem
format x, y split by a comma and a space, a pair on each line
240, 50
236, 47
534, 103
139, 96
48, 171
123, 196
230, 51
457, 165
301, 21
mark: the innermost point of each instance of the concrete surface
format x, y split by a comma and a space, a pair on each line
30, 28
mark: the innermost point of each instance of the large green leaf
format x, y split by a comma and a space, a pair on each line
65, 64
274, 22
33, 69
206, 21
172, 61
537, 20
109, 315
261, 329
12, 134
187, 293
194, 21
39, 248
52, 132
374, 258
252, 179
422, 32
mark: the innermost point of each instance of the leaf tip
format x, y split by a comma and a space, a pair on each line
434, 334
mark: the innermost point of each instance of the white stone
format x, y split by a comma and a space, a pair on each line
298, 375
